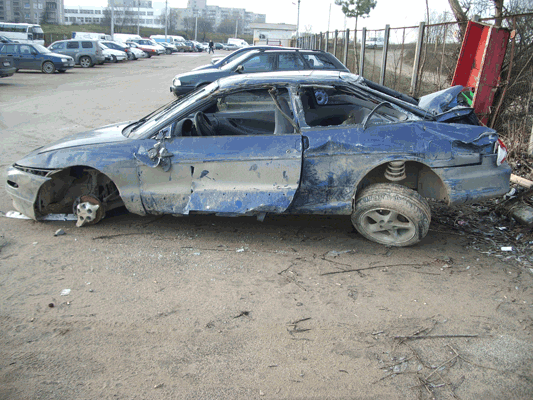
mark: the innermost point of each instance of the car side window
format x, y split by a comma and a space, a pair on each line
290, 61
8, 49
73, 45
259, 63
25, 49
87, 45
58, 46
319, 61
331, 107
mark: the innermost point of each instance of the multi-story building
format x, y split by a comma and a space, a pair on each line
216, 15
128, 12
32, 11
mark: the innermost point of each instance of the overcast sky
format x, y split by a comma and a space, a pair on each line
314, 14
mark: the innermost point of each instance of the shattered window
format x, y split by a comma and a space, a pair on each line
331, 106
247, 100
319, 61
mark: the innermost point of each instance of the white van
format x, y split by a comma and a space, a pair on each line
90, 36
238, 42
169, 39
124, 37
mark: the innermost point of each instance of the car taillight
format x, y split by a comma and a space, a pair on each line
501, 150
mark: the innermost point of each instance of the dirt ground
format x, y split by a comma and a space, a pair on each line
213, 308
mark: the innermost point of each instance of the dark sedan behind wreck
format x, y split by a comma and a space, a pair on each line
293, 143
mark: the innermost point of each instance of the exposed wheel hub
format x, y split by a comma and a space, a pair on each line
89, 210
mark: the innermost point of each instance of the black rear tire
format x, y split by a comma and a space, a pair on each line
391, 214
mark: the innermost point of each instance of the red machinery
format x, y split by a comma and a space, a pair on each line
480, 63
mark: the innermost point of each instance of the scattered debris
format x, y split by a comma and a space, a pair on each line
51, 305
59, 232
243, 314
526, 183
65, 292
294, 326
435, 336
16, 215
490, 226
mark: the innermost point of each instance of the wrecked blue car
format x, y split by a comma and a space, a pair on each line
285, 143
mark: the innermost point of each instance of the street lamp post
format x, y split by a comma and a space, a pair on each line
298, 23
166, 19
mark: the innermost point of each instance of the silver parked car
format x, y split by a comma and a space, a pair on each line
86, 53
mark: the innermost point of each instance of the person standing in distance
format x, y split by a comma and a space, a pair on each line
211, 47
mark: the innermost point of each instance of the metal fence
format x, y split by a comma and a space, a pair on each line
415, 60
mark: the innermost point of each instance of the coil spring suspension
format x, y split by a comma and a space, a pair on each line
395, 171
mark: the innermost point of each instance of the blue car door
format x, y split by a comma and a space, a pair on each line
249, 167
27, 60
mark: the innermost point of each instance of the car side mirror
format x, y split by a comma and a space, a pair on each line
239, 69
34, 52
165, 133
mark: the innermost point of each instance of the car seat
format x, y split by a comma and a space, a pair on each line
282, 123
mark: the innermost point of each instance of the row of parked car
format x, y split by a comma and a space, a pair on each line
64, 54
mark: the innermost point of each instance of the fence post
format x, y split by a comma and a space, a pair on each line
416, 64
335, 42
384, 55
327, 42
362, 63
346, 43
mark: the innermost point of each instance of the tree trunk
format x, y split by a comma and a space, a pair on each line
460, 16
498, 13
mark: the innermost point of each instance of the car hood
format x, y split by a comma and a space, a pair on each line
441, 101
208, 66
106, 134
56, 55
208, 75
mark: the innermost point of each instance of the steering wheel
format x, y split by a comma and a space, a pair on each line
204, 125
365, 121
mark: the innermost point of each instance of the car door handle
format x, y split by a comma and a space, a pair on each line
305, 142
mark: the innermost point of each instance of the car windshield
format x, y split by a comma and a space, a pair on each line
103, 46
168, 111
233, 56
237, 61
145, 42
41, 49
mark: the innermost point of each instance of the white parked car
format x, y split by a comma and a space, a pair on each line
148, 46
112, 55
137, 52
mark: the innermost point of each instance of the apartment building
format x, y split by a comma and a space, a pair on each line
32, 11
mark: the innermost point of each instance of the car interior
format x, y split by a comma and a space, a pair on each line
331, 106
255, 112
251, 112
